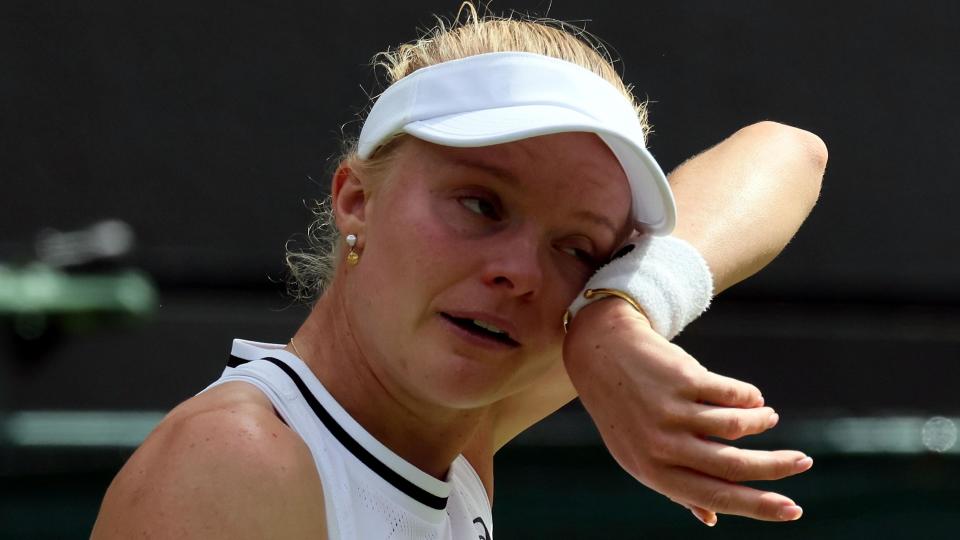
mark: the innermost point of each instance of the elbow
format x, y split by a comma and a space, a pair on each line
812, 147
806, 144
805, 150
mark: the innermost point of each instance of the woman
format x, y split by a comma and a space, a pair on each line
490, 181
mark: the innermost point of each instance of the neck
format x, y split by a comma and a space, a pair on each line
428, 436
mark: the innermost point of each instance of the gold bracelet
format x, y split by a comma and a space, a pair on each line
600, 293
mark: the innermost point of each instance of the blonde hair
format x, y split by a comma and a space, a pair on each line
312, 270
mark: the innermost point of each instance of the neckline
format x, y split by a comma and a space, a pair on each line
426, 490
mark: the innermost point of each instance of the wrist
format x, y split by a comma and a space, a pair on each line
601, 322
607, 310
596, 338
665, 277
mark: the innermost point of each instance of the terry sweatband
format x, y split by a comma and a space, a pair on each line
666, 276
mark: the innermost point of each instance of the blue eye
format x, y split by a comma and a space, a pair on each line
480, 207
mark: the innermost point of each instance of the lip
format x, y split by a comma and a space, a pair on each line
488, 318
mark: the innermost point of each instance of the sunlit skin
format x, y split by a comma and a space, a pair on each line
647, 396
508, 234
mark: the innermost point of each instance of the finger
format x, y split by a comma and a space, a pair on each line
731, 423
740, 465
705, 516
727, 392
715, 495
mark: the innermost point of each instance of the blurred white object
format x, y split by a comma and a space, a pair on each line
939, 434
104, 240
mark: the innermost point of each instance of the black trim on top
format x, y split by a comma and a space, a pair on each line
396, 480
235, 361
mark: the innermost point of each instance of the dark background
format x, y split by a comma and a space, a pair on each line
206, 126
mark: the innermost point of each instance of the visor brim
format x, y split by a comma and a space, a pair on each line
653, 208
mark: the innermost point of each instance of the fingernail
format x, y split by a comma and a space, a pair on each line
761, 400
709, 522
790, 513
772, 421
804, 463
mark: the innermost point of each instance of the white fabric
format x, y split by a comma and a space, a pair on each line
666, 276
502, 97
360, 504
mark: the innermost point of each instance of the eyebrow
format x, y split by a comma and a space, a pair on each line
493, 170
508, 177
598, 219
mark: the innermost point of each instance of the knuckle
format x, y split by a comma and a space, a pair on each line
719, 500
691, 376
766, 507
653, 476
734, 468
662, 449
735, 426
785, 467
731, 394
672, 415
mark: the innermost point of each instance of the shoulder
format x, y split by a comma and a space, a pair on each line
220, 465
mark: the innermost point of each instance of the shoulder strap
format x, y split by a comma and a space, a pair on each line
351, 444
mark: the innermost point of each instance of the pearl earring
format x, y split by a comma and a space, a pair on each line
353, 257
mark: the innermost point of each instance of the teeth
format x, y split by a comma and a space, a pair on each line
488, 326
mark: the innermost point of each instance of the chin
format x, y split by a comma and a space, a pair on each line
459, 382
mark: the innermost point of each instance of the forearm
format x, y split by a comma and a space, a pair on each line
740, 202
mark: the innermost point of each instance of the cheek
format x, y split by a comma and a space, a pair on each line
410, 253
423, 251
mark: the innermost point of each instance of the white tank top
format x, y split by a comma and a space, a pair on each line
369, 491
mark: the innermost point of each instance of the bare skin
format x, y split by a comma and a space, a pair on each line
755, 190
739, 220
522, 268
178, 484
489, 406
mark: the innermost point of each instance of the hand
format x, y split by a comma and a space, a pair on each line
654, 406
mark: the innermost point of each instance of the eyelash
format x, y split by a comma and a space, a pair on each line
493, 212
581, 255
492, 206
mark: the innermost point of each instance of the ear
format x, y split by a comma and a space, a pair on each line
349, 200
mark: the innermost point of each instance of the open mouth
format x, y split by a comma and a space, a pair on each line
482, 329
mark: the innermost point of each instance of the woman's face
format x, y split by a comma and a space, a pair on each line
471, 257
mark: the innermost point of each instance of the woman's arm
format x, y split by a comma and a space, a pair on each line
739, 204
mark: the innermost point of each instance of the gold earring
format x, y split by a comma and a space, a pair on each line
353, 257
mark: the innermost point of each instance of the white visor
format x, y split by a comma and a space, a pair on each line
503, 97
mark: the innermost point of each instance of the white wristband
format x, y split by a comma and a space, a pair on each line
666, 276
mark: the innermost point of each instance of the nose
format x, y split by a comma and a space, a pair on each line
515, 265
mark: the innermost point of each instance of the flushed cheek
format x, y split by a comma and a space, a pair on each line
437, 254
410, 241
413, 261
